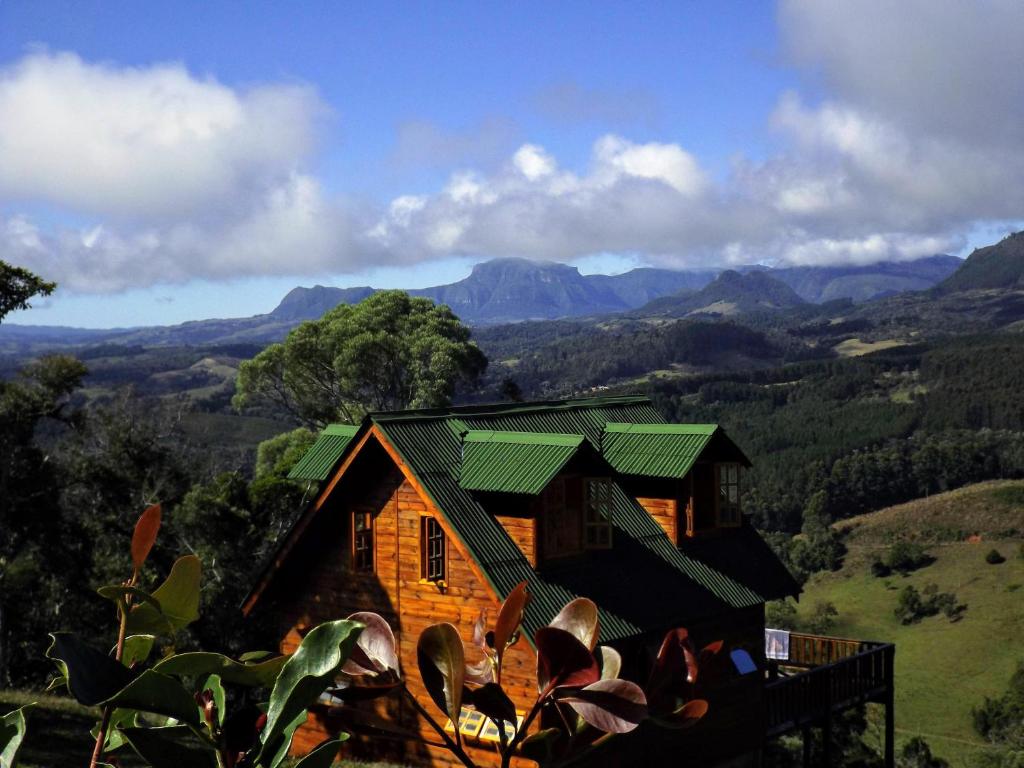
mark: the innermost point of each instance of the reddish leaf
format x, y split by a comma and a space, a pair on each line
146, 530
509, 618
442, 662
376, 643
495, 703
563, 660
579, 618
611, 663
674, 665
480, 631
686, 716
481, 673
612, 706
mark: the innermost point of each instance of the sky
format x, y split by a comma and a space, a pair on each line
169, 161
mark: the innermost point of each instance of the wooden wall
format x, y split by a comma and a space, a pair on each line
319, 585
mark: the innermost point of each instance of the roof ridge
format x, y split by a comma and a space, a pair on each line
498, 409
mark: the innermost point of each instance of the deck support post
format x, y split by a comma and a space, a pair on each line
806, 741
826, 726
890, 709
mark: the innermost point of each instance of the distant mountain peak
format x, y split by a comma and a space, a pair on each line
995, 266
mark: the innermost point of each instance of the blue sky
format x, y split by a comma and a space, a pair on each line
173, 161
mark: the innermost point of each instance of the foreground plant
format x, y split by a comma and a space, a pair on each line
175, 710
581, 699
192, 710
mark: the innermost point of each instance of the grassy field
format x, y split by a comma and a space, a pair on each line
943, 669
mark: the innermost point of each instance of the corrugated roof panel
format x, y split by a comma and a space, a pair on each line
514, 462
317, 463
655, 450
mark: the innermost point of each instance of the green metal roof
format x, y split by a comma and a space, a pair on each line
620, 580
324, 454
514, 462
655, 450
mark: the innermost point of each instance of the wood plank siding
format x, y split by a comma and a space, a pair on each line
319, 584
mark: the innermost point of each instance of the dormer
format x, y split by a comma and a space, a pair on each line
687, 476
550, 491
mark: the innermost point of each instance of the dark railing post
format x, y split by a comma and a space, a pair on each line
890, 713
826, 726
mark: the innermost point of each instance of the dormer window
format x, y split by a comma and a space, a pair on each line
728, 512
561, 505
597, 517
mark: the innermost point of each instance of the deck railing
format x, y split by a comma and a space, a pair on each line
838, 674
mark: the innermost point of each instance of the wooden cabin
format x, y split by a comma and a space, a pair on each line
435, 515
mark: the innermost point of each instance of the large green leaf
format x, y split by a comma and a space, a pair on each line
171, 747
305, 675
137, 649
161, 694
178, 598
13, 727
273, 752
442, 662
120, 718
92, 676
199, 663
118, 592
323, 755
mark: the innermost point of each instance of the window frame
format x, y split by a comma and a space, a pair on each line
602, 522
722, 483
559, 506
431, 530
359, 534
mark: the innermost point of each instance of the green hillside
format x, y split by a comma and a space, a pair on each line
994, 266
943, 668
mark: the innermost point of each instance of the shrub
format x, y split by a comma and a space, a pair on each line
994, 557
823, 618
906, 556
780, 614
880, 569
912, 606
917, 754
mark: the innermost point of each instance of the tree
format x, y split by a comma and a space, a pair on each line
388, 352
17, 286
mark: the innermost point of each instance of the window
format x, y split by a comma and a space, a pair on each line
729, 495
433, 549
362, 541
561, 501
597, 517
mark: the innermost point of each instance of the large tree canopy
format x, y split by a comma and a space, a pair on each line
17, 286
388, 352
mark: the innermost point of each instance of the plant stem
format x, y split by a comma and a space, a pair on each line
506, 756
454, 748
101, 738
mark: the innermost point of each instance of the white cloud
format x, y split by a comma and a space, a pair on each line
918, 137
152, 142
183, 177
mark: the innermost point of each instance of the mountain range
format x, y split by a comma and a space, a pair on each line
512, 290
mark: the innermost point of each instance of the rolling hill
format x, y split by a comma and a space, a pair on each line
994, 266
731, 293
943, 668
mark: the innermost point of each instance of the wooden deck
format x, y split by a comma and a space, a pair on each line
824, 676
